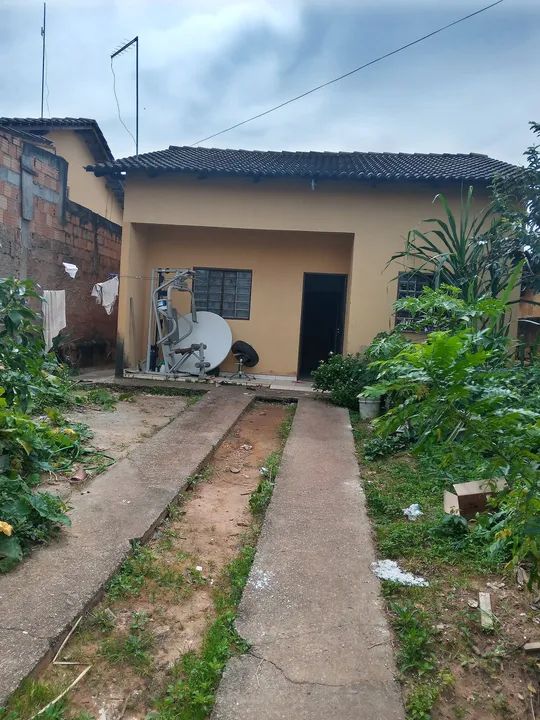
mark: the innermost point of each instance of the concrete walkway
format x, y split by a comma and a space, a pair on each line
311, 611
40, 599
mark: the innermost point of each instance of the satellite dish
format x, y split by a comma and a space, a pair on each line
215, 333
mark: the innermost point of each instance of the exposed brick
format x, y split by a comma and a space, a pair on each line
53, 242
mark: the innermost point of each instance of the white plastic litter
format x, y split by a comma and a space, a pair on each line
413, 512
390, 570
71, 269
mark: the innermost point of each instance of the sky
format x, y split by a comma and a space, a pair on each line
207, 64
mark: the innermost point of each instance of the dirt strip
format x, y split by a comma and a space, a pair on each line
40, 599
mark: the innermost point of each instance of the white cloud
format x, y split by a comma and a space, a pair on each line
207, 64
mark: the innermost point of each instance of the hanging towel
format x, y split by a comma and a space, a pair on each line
53, 308
106, 293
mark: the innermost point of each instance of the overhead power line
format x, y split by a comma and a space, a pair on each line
350, 72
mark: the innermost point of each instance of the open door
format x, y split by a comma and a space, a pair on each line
323, 319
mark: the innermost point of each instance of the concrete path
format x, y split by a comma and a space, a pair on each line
40, 600
320, 643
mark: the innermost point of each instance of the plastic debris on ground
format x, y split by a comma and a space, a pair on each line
413, 512
390, 570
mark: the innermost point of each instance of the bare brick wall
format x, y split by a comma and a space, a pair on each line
40, 228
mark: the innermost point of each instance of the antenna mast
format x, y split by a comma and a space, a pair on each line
135, 41
43, 30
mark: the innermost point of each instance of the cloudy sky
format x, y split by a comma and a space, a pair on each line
206, 64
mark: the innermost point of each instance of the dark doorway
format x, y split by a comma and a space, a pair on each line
323, 316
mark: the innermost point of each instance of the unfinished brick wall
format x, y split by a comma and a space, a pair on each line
40, 228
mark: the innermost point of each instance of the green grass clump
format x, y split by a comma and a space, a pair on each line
260, 497
197, 674
129, 580
133, 647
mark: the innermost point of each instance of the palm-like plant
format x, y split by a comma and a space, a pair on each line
473, 252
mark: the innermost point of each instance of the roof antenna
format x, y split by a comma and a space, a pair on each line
43, 29
117, 52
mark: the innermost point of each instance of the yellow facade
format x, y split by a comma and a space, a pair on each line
84, 187
279, 229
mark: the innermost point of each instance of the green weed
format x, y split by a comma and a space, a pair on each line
129, 580
286, 424
101, 619
99, 397
31, 696
133, 647
201, 476
420, 701
191, 695
260, 497
415, 655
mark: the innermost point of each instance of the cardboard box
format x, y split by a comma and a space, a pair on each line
471, 497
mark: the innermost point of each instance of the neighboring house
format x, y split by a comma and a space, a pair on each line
80, 142
291, 247
40, 228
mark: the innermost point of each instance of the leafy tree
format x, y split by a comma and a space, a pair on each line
517, 200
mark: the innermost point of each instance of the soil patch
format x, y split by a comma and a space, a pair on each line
160, 603
131, 421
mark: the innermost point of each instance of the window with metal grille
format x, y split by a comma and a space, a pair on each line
411, 284
222, 291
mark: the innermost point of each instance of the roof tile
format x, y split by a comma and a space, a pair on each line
331, 165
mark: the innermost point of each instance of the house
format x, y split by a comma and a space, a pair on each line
41, 227
80, 142
290, 247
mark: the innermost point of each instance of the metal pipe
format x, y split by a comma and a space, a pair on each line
43, 30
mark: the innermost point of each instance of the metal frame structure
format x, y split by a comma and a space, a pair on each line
164, 323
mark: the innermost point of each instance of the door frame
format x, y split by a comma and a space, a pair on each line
343, 313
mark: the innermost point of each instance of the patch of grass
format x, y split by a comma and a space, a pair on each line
260, 497
448, 551
132, 648
415, 634
191, 396
421, 700
101, 619
286, 424
31, 696
196, 676
98, 397
129, 580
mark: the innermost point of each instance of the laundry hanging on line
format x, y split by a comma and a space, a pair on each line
106, 293
53, 308
70, 268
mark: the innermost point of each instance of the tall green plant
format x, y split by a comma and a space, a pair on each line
468, 251
31, 377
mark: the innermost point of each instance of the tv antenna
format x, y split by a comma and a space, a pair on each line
135, 42
43, 30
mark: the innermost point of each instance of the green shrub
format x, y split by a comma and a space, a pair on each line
32, 381
344, 376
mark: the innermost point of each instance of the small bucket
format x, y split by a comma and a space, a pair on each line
369, 407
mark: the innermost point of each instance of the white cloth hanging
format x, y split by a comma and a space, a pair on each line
106, 293
70, 268
53, 308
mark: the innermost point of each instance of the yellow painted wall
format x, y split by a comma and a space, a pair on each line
277, 261
372, 221
84, 187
